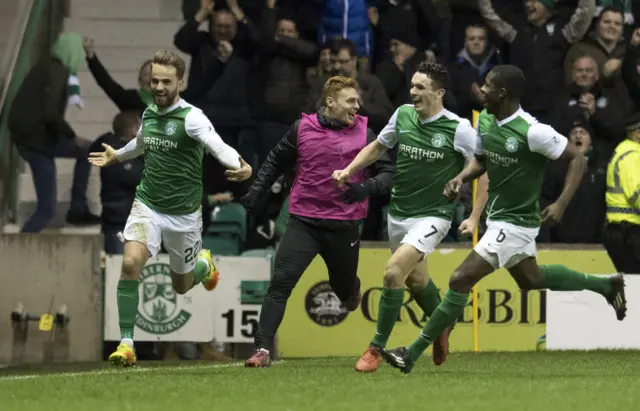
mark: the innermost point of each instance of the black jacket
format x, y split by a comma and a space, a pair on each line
279, 85
419, 17
539, 52
284, 156
226, 103
630, 74
465, 71
37, 114
118, 183
397, 83
607, 121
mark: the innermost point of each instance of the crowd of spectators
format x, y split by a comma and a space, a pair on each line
260, 63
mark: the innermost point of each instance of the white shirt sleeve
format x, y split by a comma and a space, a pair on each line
387, 136
133, 149
479, 148
200, 128
543, 139
465, 138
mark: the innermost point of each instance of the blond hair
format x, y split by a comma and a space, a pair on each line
169, 58
334, 85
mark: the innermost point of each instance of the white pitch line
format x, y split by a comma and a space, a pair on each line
110, 371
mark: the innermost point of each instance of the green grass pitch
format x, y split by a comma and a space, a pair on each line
562, 381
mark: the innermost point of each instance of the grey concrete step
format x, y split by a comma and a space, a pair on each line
89, 87
127, 9
69, 230
130, 58
129, 33
91, 131
27, 208
8, 23
64, 166
11, 6
4, 48
96, 110
27, 198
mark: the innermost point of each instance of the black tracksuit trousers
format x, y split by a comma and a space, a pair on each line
622, 242
339, 248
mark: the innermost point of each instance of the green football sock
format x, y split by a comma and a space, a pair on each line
127, 306
557, 277
390, 305
428, 298
201, 270
444, 316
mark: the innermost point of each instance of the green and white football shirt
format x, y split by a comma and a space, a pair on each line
431, 152
173, 143
517, 151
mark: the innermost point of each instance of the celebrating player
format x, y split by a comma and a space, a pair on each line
513, 148
324, 218
433, 147
167, 208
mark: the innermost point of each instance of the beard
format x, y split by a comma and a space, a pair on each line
165, 100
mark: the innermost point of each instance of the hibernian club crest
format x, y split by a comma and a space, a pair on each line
159, 311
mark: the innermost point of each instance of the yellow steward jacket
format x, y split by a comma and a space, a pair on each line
623, 184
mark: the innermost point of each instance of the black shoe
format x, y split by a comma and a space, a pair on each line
617, 298
399, 358
82, 218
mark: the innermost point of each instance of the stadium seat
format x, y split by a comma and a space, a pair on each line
230, 219
222, 244
253, 292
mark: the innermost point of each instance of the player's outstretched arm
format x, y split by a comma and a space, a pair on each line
474, 169
133, 149
199, 128
383, 171
468, 226
543, 139
103, 158
380, 181
577, 165
371, 153
367, 156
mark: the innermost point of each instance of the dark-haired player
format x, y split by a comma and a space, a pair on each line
433, 146
513, 149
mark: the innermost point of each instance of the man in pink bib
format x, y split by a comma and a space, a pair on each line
324, 218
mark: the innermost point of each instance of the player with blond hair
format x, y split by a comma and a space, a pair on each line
324, 218
167, 208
